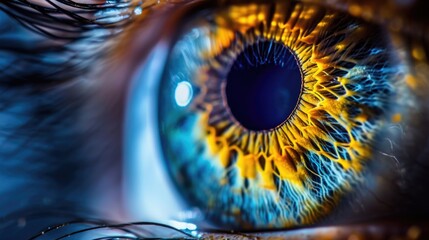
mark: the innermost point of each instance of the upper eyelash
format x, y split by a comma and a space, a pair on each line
76, 25
84, 31
55, 21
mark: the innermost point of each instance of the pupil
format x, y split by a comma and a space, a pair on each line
263, 86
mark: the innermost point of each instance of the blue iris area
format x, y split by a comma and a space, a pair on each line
264, 85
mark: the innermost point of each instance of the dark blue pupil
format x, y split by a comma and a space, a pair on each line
264, 85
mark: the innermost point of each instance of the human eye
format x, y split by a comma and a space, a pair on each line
250, 159
363, 99
288, 100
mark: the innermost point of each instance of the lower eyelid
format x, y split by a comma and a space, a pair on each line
390, 229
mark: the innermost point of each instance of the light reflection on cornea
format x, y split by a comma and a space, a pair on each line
183, 94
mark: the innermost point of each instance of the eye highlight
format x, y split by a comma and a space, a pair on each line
287, 102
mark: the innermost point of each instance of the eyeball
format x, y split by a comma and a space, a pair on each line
269, 113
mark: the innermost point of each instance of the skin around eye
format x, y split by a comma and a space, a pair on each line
295, 172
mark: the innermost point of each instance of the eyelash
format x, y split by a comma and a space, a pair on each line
53, 20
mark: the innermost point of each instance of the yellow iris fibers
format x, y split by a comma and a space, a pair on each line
259, 152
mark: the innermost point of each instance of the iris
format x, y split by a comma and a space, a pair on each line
288, 101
